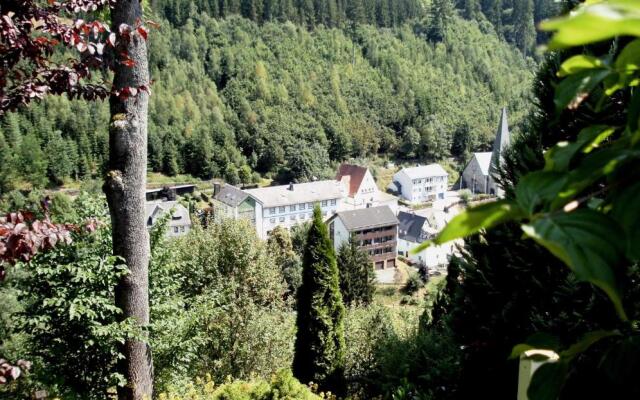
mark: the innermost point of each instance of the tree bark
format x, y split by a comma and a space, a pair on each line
124, 187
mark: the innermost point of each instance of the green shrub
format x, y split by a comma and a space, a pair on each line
282, 386
414, 283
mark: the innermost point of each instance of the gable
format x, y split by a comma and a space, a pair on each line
353, 176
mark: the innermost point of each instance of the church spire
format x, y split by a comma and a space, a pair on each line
502, 140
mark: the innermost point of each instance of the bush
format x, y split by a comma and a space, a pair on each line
414, 283
283, 386
465, 195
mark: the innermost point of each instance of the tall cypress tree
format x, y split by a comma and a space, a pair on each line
319, 348
357, 280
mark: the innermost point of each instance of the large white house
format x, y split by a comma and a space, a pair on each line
414, 229
478, 174
288, 205
177, 225
422, 183
361, 189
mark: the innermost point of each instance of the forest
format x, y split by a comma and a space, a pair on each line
95, 304
234, 96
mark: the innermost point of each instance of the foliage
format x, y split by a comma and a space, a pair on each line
357, 278
231, 95
413, 284
281, 386
319, 345
217, 306
68, 312
577, 206
281, 246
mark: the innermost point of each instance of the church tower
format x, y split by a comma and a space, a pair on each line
499, 145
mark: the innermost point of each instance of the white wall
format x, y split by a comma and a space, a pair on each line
473, 171
266, 221
432, 256
428, 188
340, 233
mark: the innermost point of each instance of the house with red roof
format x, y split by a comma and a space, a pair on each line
361, 189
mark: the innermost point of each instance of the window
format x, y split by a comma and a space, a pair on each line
175, 229
324, 203
272, 220
310, 215
292, 217
272, 210
292, 207
302, 206
182, 228
281, 210
333, 202
281, 219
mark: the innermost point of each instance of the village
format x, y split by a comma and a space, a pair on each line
387, 223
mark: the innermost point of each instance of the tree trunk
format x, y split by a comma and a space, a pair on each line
124, 186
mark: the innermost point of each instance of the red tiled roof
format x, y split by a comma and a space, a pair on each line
356, 174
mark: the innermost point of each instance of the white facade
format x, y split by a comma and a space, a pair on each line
177, 225
340, 234
433, 256
422, 183
289, 205
362, 190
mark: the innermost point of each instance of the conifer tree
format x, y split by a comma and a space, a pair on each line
319, 348
6, 161
356, 274
441, 13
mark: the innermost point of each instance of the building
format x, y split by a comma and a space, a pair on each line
177, 225
375, 229
288, 205
478, 174
414, 229
422, 183
361, 189
169, 193
230, 202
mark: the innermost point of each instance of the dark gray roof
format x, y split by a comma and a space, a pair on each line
230, 195
367, 218
410, 227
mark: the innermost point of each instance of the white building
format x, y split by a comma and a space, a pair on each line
361, 189
422, 183
288, 205
177, 225
414, 229
478, 174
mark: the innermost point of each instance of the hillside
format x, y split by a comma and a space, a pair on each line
236, 99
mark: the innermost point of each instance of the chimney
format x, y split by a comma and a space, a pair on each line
291, 186
216, 188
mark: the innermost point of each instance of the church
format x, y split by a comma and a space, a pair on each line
478, 174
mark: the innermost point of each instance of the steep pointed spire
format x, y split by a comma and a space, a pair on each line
502, 140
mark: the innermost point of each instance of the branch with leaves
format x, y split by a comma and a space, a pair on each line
582, 206
30, 34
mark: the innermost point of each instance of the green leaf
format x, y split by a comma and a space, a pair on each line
589, 242
625, 210
633, 116
539, 187
580, 63
547, 381
474, 219
573, 90
629, 58
585, 342
591, 23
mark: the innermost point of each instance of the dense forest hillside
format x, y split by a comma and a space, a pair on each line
236, 98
